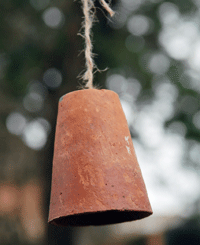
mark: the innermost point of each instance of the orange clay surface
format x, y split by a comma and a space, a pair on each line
96, 178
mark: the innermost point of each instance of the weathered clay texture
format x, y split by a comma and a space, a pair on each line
96, 178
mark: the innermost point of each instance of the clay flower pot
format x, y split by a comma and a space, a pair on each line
96, 178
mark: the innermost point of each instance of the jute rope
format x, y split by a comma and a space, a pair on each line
88, 10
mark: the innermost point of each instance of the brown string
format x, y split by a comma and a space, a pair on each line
106, 6
88, 10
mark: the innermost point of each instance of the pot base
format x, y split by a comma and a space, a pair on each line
100, 218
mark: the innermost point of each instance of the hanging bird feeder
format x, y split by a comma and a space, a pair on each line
96, 178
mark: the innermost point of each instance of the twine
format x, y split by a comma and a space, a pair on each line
89, 13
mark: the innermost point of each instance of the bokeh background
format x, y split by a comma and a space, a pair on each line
152, 51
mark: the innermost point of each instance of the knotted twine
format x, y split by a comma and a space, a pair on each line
88, 10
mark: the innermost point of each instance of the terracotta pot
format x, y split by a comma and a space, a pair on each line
96, 178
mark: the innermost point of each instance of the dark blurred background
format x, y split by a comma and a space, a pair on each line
152, 50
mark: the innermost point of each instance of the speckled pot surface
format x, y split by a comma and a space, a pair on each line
96, 178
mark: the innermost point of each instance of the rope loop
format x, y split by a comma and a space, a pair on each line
88, 11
